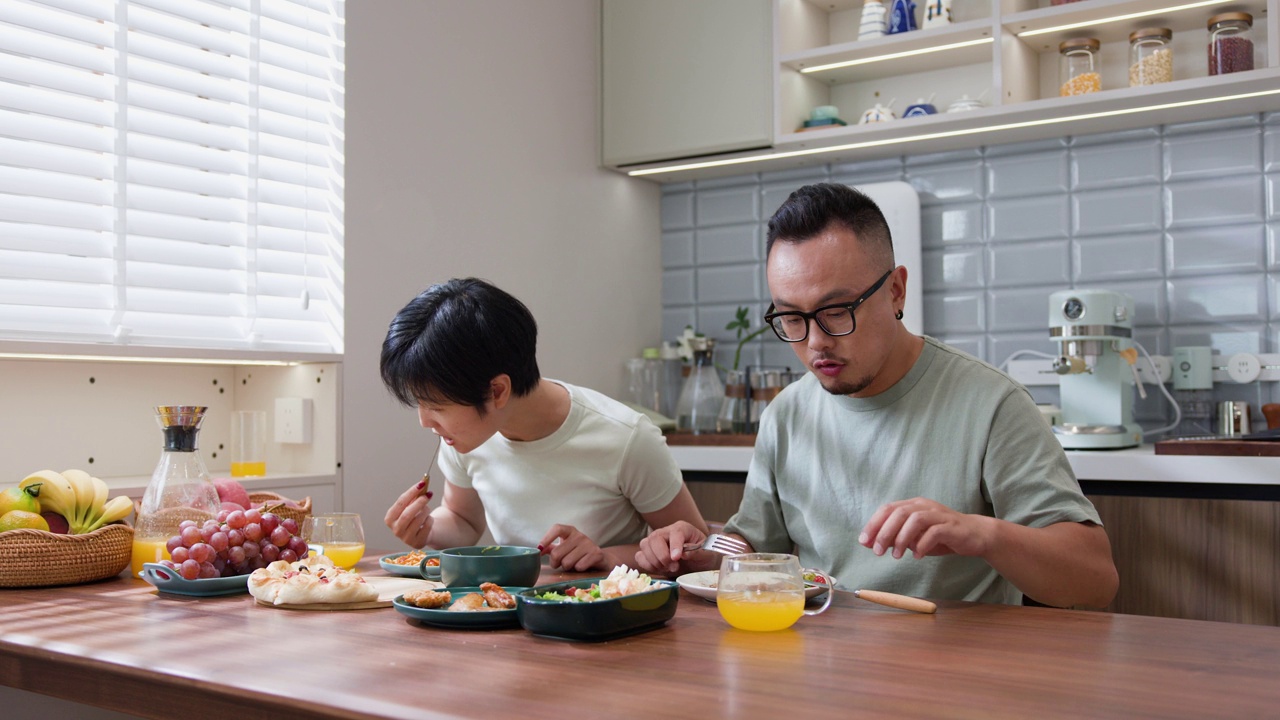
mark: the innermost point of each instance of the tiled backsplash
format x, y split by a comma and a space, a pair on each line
1184, 218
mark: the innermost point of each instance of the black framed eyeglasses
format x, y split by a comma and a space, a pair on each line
835, 320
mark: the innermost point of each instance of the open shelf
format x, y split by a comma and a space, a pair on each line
989, 54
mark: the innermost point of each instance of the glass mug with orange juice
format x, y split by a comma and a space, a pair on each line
764, 591
338, 536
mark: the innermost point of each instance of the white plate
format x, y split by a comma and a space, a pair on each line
703, 584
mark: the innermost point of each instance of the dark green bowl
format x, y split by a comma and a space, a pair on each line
505, 565
599, 620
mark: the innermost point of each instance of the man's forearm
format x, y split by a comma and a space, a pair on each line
1062, 565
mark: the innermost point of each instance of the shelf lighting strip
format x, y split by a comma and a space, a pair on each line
128, 359
1118, 18
895, 56
939, 135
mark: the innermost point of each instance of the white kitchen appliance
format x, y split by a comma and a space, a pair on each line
1094, 331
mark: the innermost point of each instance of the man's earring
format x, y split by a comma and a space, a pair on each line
898, 315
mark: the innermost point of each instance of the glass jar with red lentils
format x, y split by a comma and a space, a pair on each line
1230, 43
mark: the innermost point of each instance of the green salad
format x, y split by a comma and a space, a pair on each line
622, 581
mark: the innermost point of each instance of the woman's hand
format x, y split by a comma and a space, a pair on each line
574, 552
409, 517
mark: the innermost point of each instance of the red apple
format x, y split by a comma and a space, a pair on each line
230, 491
57, 523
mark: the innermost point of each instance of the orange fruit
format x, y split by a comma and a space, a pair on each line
15, 498
15, 519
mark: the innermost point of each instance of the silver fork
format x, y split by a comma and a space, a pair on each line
722, 544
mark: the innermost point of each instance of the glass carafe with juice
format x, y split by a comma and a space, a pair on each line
180, 488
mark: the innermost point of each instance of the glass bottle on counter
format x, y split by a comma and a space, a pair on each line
703, 393
1078, 66
1150, 56
1230, 43
180, 488
735, 407
644, 380
672, 378
765, 386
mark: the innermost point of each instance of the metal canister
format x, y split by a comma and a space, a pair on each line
1233, 418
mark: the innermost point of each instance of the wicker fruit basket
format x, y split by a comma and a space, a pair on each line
299, 513
36, 558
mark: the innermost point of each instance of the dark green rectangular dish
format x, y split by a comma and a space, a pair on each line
596, 621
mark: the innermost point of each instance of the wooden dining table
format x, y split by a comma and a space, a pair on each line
121, 645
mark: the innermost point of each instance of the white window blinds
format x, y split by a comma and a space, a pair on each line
171, 173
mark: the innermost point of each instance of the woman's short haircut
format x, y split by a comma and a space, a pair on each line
453, 339
811, 209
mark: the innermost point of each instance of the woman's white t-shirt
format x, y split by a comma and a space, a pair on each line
598, 472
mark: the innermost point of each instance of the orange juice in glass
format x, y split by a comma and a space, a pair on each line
763, 591
344, 554
147, 550
339, 535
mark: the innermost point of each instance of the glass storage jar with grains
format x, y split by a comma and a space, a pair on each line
1230, 43
1079, 71
1150, 56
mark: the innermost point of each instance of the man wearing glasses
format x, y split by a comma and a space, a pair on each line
898, 463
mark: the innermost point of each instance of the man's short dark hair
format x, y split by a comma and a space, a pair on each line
453, 339
811, 209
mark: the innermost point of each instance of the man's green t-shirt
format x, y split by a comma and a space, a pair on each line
954, 430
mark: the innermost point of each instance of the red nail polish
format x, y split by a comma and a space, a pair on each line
541, 549
422, 484
430, 494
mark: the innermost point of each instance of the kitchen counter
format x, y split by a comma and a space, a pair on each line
120, 646
1140, 465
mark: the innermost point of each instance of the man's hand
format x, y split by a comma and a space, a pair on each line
662, 552
409, 518
926, 528
575, 552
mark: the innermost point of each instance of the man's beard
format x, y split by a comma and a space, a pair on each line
835, 386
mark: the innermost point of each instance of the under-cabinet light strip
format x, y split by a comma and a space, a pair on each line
945, 134
895, 56
162, 360
1118, 18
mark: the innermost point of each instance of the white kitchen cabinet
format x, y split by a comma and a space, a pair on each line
682, 78
1002, 51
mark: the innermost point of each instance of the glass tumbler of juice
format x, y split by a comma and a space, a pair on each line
763, 591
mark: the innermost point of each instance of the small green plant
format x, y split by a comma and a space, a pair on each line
742, 324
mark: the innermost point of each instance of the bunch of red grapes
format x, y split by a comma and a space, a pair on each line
236, 543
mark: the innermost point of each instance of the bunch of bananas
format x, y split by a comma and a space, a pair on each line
77, 496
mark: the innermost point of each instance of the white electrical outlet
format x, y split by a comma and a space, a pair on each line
293, 420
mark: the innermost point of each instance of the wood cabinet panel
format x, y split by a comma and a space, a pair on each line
1195, 558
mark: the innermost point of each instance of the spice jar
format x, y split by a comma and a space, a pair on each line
1150, 56
1230, 43
1079, 74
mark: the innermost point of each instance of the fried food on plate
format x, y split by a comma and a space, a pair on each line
429, 599
471, 602
496, 597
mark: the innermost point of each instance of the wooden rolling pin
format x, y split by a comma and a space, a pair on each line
1271, 411
893, 600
